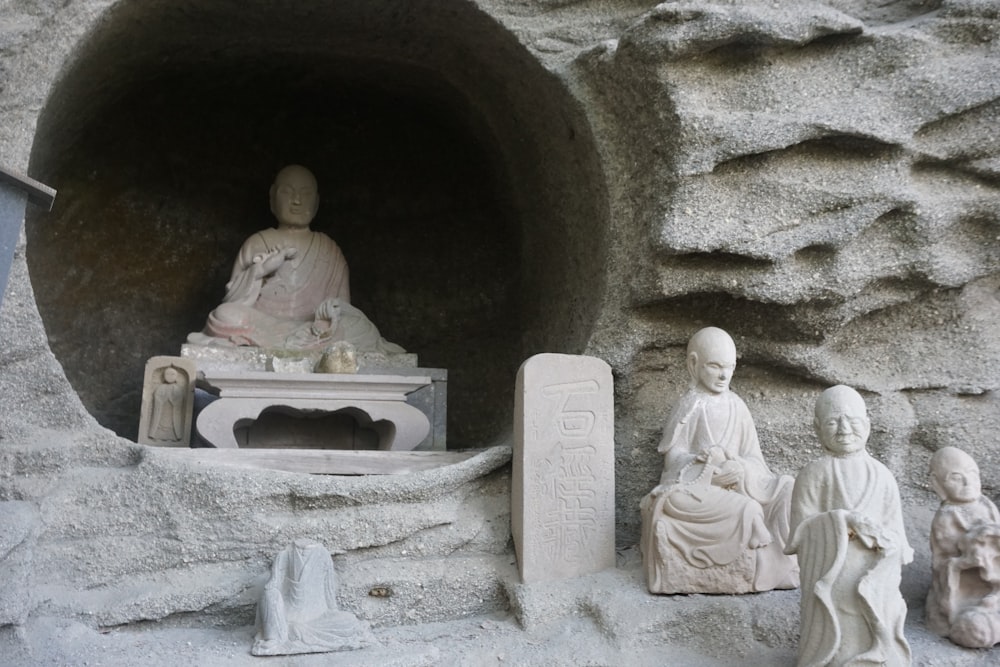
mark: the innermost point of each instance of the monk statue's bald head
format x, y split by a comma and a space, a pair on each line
955, 476
841, 420
294, 197
711, 359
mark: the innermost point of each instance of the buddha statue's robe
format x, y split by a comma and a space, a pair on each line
847, 530
264, 310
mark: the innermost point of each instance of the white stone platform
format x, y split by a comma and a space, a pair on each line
244, 395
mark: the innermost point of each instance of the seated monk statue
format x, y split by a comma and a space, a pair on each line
963, 603
718, 520
289, 283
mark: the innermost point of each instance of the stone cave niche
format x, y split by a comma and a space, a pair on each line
457, 174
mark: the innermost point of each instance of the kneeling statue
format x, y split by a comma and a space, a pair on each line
718, 520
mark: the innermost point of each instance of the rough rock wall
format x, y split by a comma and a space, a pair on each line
126, 533
819, 179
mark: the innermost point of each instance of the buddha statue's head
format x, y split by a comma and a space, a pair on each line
711, 360
294, 197
841, 420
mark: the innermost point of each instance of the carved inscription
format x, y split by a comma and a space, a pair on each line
564, 468
572, 424
567, 485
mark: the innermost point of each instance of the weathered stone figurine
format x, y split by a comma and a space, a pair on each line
847, 529
289, 284
718, 520
964, 599
298, 611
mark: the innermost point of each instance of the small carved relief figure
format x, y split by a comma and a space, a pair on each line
167, 423
167, 402
847, 529
298, 612
718, 520
964, 599
287, 282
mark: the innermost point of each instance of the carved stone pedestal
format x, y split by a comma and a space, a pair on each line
382, 399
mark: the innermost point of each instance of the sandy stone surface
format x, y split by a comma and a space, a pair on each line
605, 619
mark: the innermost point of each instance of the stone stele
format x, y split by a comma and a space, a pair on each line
167, 402
963, 603
298, 611
563, 489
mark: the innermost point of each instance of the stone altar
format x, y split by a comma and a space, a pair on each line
375, 400
266, 380
963, 603
718, 520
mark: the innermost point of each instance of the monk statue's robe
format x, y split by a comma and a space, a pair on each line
847, 529
710, 525
264, 309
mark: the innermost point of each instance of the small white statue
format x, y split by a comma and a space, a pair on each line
718, 520
964, 599
290, 286
298, 611
847, 529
